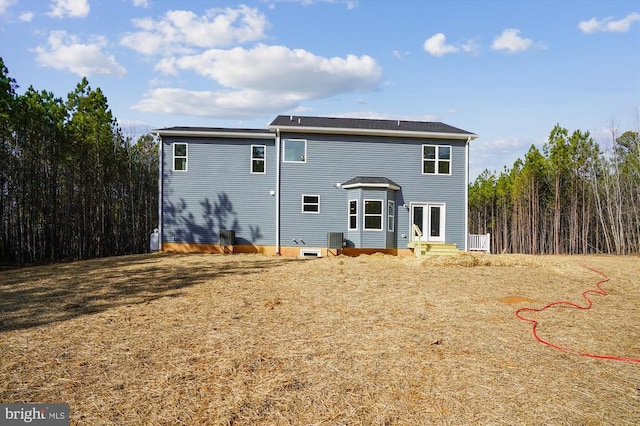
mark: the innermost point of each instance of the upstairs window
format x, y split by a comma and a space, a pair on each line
310, 204
258, 161
180, 157
295, 151
353, 214
436, 160
373, 215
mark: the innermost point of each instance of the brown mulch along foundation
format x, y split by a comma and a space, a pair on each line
248, 339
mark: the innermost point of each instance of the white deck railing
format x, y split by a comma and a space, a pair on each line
416, 236
478, 242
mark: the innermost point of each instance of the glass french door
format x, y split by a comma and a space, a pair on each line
429, 217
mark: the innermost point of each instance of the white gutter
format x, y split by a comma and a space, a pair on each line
160, 164
277, 191
466, 196
377, 132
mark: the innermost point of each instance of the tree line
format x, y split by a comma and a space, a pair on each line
572, 197
72, 185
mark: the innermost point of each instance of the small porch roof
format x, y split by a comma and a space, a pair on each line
370, 182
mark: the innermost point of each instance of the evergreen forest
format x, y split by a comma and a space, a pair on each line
72, 185
574, 197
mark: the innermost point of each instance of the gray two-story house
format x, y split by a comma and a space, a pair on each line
313, 186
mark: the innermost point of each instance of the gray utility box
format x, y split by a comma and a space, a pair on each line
227, 237
335, 240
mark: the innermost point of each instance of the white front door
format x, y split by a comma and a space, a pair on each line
429, 217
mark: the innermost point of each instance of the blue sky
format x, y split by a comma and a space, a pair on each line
505, 70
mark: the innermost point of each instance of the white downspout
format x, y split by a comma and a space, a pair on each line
160, 169
277, 191
466, 196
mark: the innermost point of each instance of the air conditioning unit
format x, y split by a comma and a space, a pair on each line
335, 240
227, 237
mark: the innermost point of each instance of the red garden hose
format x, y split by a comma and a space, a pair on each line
599, 290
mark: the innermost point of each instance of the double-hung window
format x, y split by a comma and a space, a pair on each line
373, 215
353, 214
258, 159
295, 151
180, 157
310, 204
436, 160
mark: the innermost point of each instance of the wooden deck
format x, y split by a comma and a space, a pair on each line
433, 249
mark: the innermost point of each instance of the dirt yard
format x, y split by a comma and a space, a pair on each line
374, 340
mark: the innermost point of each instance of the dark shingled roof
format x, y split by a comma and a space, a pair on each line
365, 124
370, 180
328, 125
187, 129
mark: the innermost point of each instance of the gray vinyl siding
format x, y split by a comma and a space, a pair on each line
338, 158
218, 191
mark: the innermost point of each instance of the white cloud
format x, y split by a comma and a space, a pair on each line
609, 25
436, 45
281, 70
496, 154
180, 31
400, 55
511, 41
141, 3
66, 52
261, 80
471, 46
5, 5
222, 104
26, 16
72, 8
350, 4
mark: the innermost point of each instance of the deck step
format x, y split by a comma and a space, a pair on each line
434, 249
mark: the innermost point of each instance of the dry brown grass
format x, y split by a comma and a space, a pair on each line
247, 339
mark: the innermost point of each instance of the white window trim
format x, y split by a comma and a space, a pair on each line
426, 232
284, 151
349, 215
443, 222
437, 160
365, 215
186, 156
264, 160
391, 217
310, 204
